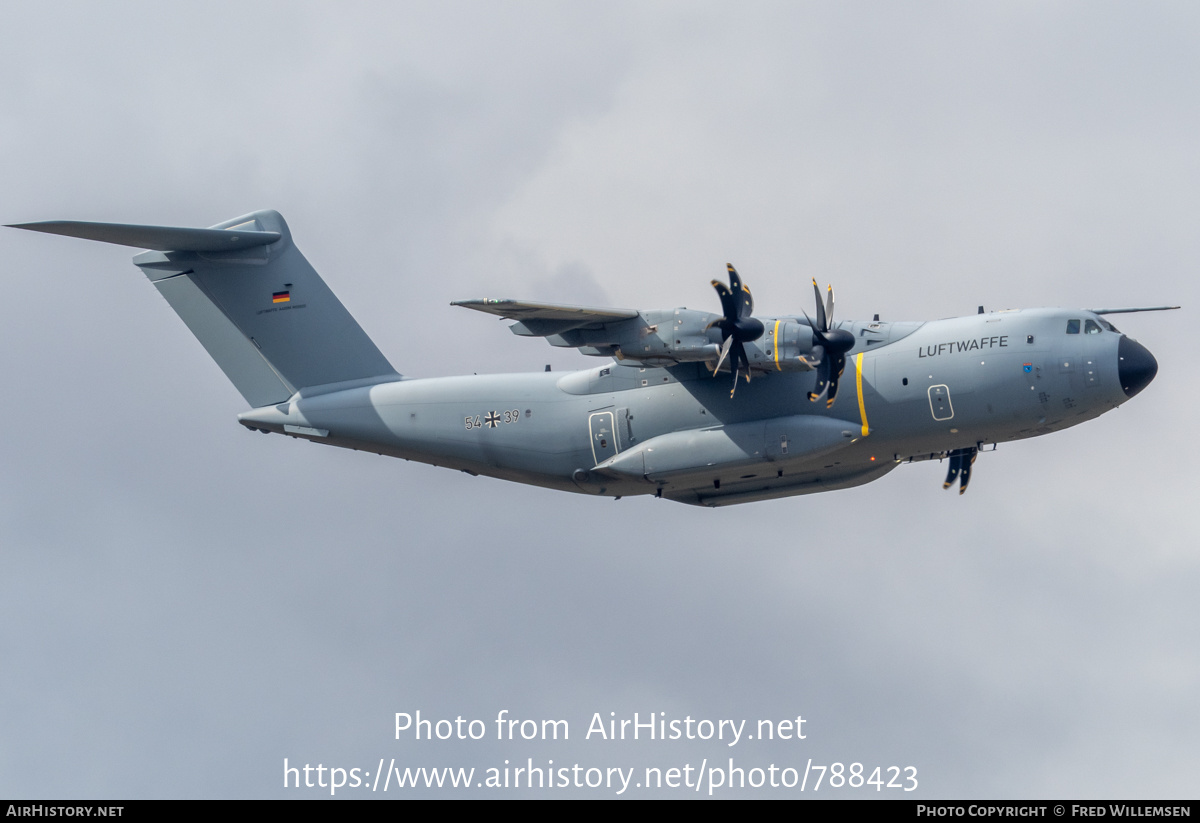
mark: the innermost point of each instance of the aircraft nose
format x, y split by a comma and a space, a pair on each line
1136, 366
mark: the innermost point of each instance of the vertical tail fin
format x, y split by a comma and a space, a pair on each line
247, 293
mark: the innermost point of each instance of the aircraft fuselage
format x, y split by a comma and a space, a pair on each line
653, 419
921, 391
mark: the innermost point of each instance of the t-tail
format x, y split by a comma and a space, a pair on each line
253, 301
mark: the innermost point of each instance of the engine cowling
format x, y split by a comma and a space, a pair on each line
788, 346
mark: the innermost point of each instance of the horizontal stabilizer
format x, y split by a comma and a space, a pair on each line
158, 238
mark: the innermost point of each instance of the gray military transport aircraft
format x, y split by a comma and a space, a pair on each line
658, 418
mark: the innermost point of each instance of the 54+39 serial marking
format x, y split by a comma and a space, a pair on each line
492, 419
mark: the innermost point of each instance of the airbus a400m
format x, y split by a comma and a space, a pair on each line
693, 406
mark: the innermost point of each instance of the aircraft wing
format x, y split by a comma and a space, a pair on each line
543, 319
1131, 310
661, 337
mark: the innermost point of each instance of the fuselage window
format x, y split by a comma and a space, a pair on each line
1072, 327
1091, 327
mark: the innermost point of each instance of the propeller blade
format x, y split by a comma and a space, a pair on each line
735, 280
728, 304
837, 367
833, 345
823, 374
724, 351
739, 357
817, 357
742, 299
737, 326
832, 395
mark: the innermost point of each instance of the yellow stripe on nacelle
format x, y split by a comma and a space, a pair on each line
862, 407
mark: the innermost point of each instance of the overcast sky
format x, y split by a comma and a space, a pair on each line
184, 604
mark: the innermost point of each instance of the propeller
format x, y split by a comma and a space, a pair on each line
960, 468
829, 346
737, 326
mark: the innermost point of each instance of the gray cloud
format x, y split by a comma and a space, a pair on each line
186, 604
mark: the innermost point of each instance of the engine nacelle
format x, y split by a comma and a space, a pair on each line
683, 335
787, 346
669, 336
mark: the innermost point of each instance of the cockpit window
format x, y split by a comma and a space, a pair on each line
1091, 327
1109, 326
1072, 327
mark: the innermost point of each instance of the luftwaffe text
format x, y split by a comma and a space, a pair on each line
956, 346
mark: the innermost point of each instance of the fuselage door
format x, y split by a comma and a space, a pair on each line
602, 427
939, 402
